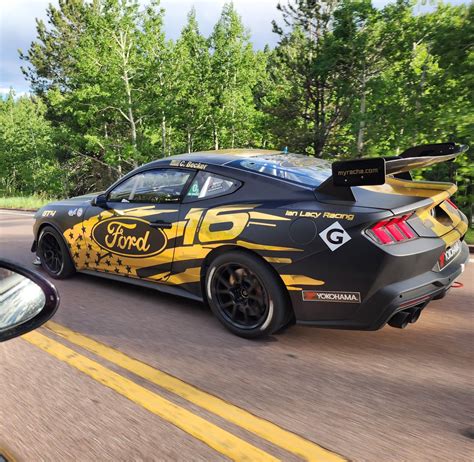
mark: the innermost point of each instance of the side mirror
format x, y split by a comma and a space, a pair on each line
27, 300
100, 201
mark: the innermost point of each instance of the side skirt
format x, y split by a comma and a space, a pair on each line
173, 290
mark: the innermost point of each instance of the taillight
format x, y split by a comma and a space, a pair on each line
391, 231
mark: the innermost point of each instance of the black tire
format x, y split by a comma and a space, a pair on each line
245, 295
60, 265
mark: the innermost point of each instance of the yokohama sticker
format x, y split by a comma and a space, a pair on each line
331, 297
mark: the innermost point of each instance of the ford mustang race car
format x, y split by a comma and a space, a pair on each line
269, 238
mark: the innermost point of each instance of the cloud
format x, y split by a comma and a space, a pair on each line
4, 91
17, 30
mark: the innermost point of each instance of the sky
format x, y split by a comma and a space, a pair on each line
18, 27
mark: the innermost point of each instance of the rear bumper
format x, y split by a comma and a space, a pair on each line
375, 311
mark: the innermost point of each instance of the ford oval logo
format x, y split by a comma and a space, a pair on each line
129, 237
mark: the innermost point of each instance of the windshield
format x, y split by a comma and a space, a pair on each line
305, 170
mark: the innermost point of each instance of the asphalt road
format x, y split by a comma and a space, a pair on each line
391, 395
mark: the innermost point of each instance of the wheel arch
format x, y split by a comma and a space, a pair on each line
58, 230
47, 223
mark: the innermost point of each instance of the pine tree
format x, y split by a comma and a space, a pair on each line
235, 72
193, 97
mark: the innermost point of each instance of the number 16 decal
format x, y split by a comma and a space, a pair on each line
229, 224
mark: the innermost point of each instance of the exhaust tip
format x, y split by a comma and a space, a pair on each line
400, 320
415, 315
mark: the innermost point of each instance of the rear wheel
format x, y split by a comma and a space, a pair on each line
245, 295
54, 255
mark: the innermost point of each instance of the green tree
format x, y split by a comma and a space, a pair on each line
49, 61
27, 161
346, 79
193, 98
235, 72
328, 52
100, 94
426, 94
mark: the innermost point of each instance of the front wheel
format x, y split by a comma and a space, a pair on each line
54, 255
245, 295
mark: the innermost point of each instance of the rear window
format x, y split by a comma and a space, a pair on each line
206, 185
305, 170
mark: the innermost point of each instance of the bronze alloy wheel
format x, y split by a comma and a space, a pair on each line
240, 295
51, 254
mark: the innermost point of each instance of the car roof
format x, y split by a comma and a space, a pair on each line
218, 157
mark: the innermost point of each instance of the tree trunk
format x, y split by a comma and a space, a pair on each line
131, 117
470, 205
163, 135
420, 94
123, 42
360, 136
170, 137
397, 151
190, 142
216, 139
320, 128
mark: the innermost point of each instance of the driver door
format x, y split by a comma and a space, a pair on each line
134, 235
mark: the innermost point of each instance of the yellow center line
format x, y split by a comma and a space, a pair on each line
210, 434
276, 435
6, 455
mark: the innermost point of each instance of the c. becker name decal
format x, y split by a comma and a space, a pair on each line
330, 215
331, 297
129, 237
188, 164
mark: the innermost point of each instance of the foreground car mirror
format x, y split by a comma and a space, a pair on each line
100, 201
27, 300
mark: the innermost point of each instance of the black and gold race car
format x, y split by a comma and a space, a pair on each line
268, 238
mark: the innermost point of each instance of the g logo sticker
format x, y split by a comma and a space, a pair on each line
334, 236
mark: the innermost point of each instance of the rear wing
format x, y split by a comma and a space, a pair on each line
373, 171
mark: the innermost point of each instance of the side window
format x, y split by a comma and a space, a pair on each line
153, 187
206, 185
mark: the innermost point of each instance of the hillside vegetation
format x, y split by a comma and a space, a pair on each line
110, 92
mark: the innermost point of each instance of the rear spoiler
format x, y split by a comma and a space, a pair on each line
373, 171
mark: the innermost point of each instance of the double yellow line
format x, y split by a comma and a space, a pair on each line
221, 440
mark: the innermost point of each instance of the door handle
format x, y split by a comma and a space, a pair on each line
161, 224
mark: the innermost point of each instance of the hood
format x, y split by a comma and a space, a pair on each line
77, 200
73, 202
86, 197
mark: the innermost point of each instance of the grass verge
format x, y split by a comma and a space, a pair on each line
470, 236
23, 202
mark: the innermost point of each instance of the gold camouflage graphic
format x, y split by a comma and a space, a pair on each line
437, 193
126, 246
109, 242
